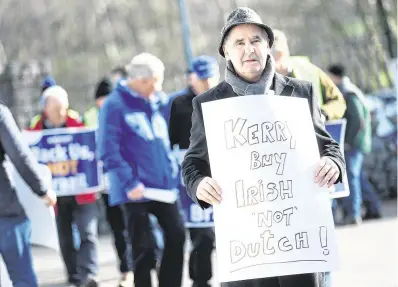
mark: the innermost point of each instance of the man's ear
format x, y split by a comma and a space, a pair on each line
225, 52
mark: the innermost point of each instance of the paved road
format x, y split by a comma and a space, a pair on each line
367, 254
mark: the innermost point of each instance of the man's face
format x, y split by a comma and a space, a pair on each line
148, 86
55, 111
200, 86
247, 48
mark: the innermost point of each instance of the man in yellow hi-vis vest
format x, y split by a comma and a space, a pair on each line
330, 98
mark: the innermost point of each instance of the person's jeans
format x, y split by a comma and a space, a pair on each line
144, 244
369, 195
16, 252
200, 265
115, 218
352, 203
80, 264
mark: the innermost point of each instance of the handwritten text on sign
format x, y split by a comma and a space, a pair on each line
70, 156
273, 220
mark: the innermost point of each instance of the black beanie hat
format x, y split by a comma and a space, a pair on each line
104, 88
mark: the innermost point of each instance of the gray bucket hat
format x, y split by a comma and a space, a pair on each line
243, 15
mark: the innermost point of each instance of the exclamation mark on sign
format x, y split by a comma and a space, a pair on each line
323, 236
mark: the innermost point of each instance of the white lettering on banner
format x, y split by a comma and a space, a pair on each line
55, 154
62, 139
273, 219
80, 152
60, 153
199, 215
66, 185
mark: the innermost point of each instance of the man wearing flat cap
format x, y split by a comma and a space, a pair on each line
245, 44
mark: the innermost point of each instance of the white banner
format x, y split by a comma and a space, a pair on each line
42, 218
273, 219
5, 280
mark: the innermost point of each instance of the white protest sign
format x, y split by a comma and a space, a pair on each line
161, 195
5, 280
273, 219
42, 218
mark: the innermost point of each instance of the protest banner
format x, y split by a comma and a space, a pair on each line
42, 218
5, 280
274, 219
336, 129
70, 155
194, 215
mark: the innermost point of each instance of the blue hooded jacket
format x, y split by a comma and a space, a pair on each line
134, 145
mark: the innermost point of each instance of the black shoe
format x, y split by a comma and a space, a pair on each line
73, 283
91, 283
370, 216
349, 220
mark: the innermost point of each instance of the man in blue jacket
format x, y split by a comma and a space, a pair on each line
133, 143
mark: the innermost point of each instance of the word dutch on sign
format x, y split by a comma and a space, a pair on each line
69, 153
273, 219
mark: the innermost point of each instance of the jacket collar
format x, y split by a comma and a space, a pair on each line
280, 86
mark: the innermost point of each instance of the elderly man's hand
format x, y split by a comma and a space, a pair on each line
136, 193
209, 191
326, 172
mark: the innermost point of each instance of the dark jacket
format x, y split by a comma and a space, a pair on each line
180, 122
196, 164
11, 144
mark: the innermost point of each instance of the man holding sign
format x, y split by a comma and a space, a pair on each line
250, 70
80, 209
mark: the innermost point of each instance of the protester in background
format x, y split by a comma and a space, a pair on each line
358, 141
134, 145
329, 97
15, 227
114, 214
81, 264
104, 87
203, 76
250, 69
117, 74
47, 83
